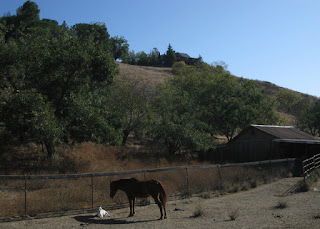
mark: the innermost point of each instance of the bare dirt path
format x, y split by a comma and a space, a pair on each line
257, 208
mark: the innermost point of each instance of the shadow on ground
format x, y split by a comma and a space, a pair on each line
89, 219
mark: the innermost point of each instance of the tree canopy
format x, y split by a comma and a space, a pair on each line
61, 84
50, 75
203, 101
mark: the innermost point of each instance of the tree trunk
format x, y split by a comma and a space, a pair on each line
50, 149
125, 137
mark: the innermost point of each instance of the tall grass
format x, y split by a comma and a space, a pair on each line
63, 194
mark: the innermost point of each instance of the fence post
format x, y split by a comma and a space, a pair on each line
220, 178
187, 180
25, 194
92, 190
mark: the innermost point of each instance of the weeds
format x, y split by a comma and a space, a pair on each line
282, 204
234, 214
207, 195
198, 212
253, 184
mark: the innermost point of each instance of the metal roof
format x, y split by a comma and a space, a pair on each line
285, 132
298, 141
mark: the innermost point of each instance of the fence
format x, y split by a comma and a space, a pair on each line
38, 195
309, 165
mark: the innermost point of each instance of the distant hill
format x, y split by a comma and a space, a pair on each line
156, 75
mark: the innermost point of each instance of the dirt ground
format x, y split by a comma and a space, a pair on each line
257, 208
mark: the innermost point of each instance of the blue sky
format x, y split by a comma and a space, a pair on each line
269, 40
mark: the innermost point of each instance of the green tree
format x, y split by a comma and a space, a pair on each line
142, 58
178, 117
120, 48
154, 57
30, 117
227, 105
247, 106
308, 116
68, 70
28, 12
169, 57
289, 101
132, 59
96, 32
130, 100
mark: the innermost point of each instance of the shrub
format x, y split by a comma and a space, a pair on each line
198, 212
282, 204
206, 195
254, 184
234, 214
235, 189
304, 186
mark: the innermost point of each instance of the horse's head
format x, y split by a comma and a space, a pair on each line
113, 189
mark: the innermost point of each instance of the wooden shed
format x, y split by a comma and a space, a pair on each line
263, 142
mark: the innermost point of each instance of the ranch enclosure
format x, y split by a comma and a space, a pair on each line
256, 208
52, 195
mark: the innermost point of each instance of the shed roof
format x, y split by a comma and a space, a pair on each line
284, 132
298, 141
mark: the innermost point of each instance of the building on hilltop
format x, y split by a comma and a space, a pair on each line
187, 59
183, 57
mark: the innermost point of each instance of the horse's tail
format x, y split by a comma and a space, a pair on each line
163, 195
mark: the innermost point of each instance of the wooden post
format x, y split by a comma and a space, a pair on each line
220, 175
25, 195
92, 190
187, 180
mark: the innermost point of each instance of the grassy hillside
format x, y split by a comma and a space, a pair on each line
90, 157
154, 75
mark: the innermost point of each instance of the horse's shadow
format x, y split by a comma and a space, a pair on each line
90, 219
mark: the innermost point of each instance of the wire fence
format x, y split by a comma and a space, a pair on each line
310, 165
51, 195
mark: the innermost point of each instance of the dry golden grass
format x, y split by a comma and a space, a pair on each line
92, 158
151, 75
56, 195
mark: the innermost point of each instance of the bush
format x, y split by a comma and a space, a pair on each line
234, 214
282, 204
198, 212
304, 186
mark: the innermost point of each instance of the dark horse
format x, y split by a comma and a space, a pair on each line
135, 188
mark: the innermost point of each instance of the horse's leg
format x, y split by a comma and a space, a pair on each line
131, 206
158, 202
133, 203
163, 202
